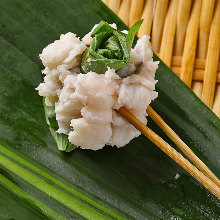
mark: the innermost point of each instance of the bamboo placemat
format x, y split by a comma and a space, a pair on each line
185, 34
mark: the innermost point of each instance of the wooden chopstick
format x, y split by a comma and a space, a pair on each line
185, 149
171, 152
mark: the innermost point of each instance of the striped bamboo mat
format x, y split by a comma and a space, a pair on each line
186, 36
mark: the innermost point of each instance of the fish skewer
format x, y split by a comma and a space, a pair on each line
171, 152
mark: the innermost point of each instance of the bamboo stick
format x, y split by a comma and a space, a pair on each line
135, 11
190, 44
182, 21
105, 2
158, 22
216, 106
198, 74
166, 48
197, 88
204, 29
147, 15
208, 90
114, 5
198, 64
171, 152
182, 146
124, 11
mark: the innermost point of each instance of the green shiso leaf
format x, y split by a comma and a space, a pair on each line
62, 141
109, 48
131, 34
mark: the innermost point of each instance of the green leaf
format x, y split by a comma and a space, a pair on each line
109, 48
37, 181
131, 34
62, 141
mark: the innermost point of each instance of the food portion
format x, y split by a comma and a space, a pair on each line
86, 80
61, 58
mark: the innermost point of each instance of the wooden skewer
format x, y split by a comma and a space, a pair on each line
171, 152
184, 148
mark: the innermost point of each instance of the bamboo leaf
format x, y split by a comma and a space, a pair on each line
135, 182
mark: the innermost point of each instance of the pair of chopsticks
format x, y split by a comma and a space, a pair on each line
200, 171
